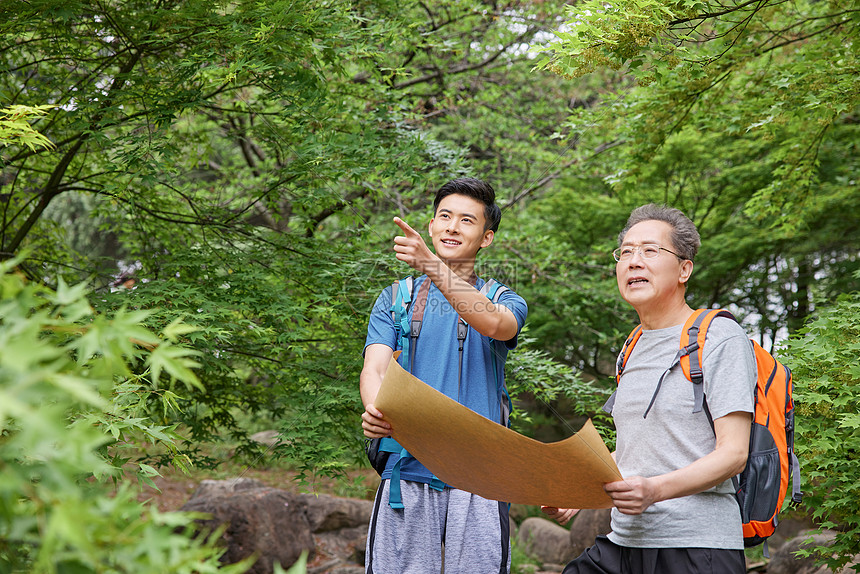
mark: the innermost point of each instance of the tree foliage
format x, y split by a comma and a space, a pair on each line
73, 398
15, 127
782, 72
743, 115
824, 360
244, 160
235, 166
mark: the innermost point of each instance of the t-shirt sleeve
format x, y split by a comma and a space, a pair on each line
730, 369
380, 327
517, 305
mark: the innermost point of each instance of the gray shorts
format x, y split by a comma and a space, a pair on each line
474, 531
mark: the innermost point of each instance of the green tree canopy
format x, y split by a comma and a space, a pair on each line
237, 165
743, 115
244, 161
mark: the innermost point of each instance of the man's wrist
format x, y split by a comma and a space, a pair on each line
438, 272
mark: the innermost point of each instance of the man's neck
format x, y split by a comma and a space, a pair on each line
665, 316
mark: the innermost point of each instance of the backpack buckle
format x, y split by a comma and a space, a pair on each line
462, 329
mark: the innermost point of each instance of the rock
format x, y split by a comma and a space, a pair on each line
359, 555
519, 512
216, 488
346, 544
327, 512
269, 438
791, 523
269, 522
783, 560
853, 568
545, 540
586, 527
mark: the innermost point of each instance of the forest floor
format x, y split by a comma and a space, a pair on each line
176, 488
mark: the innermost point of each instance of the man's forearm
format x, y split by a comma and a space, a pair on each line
369, 384
724, 462
489, 319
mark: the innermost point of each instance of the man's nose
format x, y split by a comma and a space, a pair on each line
637, 256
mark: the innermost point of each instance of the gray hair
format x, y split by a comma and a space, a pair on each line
685, 238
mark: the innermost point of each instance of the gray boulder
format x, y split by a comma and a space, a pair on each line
270, 438
790, 525
339, 527
784, 561
269, 523
545, 540
587, 525
327, 513
216, 488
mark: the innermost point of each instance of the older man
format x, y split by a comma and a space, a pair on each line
675, 511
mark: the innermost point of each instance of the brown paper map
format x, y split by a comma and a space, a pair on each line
472, 453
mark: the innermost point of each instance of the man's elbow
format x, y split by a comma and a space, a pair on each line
505, 329
739, 460
503, 333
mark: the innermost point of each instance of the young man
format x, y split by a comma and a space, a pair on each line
675, 511
473, 530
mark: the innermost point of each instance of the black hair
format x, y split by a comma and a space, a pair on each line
476, 189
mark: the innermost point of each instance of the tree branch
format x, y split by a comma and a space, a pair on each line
328, 212
546, 180
464, 68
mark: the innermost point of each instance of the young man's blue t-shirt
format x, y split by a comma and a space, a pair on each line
437, 358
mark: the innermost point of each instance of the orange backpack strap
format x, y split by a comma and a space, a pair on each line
692, 343
622, 360
626, 350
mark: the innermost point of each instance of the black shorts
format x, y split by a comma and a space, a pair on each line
606, 557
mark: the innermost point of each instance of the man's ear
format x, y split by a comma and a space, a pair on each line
430, 227
686, 271
488, 238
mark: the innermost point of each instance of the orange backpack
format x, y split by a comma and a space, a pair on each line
761, 488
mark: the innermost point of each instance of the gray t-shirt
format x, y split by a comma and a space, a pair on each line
672, 436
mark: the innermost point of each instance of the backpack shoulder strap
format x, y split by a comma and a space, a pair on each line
401, 298
625, 352
691, 346
493, 290
622, 361
419, 304
401, 301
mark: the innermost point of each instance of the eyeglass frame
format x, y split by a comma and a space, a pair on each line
638, 248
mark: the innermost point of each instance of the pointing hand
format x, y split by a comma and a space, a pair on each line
411, 249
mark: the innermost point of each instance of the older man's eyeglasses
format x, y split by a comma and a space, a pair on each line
647, 250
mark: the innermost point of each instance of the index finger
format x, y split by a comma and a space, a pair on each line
371, 409
406, 228
617, 486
